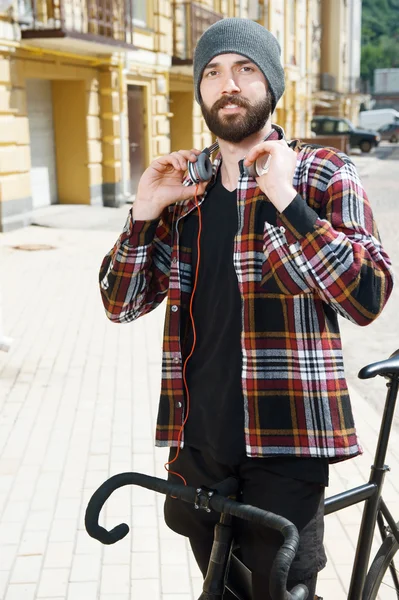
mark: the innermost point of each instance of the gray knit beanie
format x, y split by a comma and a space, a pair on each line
246, 37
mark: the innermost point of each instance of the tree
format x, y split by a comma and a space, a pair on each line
380, 36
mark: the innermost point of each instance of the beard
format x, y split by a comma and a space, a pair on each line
236, 127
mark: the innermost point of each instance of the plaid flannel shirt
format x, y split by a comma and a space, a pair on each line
297, 271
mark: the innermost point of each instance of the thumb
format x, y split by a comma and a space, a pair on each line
189, 191
201, 187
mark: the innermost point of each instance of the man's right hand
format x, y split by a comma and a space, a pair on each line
161, 185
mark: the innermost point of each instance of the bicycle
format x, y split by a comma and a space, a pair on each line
226, 571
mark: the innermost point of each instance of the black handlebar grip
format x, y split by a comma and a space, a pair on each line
93, 510
105, 490
110, 537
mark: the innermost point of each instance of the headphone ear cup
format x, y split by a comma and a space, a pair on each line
251, 171
204, 167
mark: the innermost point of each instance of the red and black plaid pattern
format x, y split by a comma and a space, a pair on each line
297, 271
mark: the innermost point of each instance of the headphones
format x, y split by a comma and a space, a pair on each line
201, 170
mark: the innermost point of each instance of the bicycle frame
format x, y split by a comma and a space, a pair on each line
375, 508
239, 580
375, 511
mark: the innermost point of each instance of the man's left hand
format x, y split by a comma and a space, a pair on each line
276, 184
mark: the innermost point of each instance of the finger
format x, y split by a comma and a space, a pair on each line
182, 160
170, 160
271, 147
189, 155
202, 187
189, 191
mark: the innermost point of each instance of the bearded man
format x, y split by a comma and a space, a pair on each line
253, 378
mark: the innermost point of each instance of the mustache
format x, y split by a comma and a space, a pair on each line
237, 100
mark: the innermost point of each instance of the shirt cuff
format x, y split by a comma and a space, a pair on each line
298, 219
142, 232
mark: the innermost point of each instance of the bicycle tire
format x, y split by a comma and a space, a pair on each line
379, 567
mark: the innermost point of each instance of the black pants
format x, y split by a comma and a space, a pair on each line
299, 501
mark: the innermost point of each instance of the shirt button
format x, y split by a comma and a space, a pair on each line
282, 229
178, 405
176, 360
174, 308
174, 260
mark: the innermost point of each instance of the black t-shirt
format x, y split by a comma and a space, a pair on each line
216, 417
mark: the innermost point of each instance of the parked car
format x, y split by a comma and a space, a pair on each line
375, 119
390, 132
359, 138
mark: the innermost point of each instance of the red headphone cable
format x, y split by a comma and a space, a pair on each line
194, 339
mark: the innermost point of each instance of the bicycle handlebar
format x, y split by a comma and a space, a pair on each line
216, 502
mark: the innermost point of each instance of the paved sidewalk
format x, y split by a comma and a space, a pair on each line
78, 402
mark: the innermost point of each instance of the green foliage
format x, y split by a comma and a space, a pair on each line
380, 36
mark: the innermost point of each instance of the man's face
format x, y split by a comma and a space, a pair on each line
235, 99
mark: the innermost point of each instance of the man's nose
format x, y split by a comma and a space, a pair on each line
230, 86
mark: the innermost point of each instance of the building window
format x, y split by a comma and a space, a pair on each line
253, 10
140, 15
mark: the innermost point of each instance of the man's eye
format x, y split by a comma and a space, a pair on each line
248, 68
211, 73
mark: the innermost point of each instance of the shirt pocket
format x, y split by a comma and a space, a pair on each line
280, 274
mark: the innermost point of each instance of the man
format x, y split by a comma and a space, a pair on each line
278, 258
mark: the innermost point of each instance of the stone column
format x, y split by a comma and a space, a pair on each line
110, 111
15, 191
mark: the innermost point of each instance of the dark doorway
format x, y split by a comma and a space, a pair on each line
137, 134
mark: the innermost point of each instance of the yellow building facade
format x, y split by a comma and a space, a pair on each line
339, 85
81, 89
91, 93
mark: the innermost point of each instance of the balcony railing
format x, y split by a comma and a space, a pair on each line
355, 85
346, 85
189, 23
107, 22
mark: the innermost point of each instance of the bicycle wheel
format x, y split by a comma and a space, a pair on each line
377, 578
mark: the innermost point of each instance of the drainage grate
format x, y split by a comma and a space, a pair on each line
31, 247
